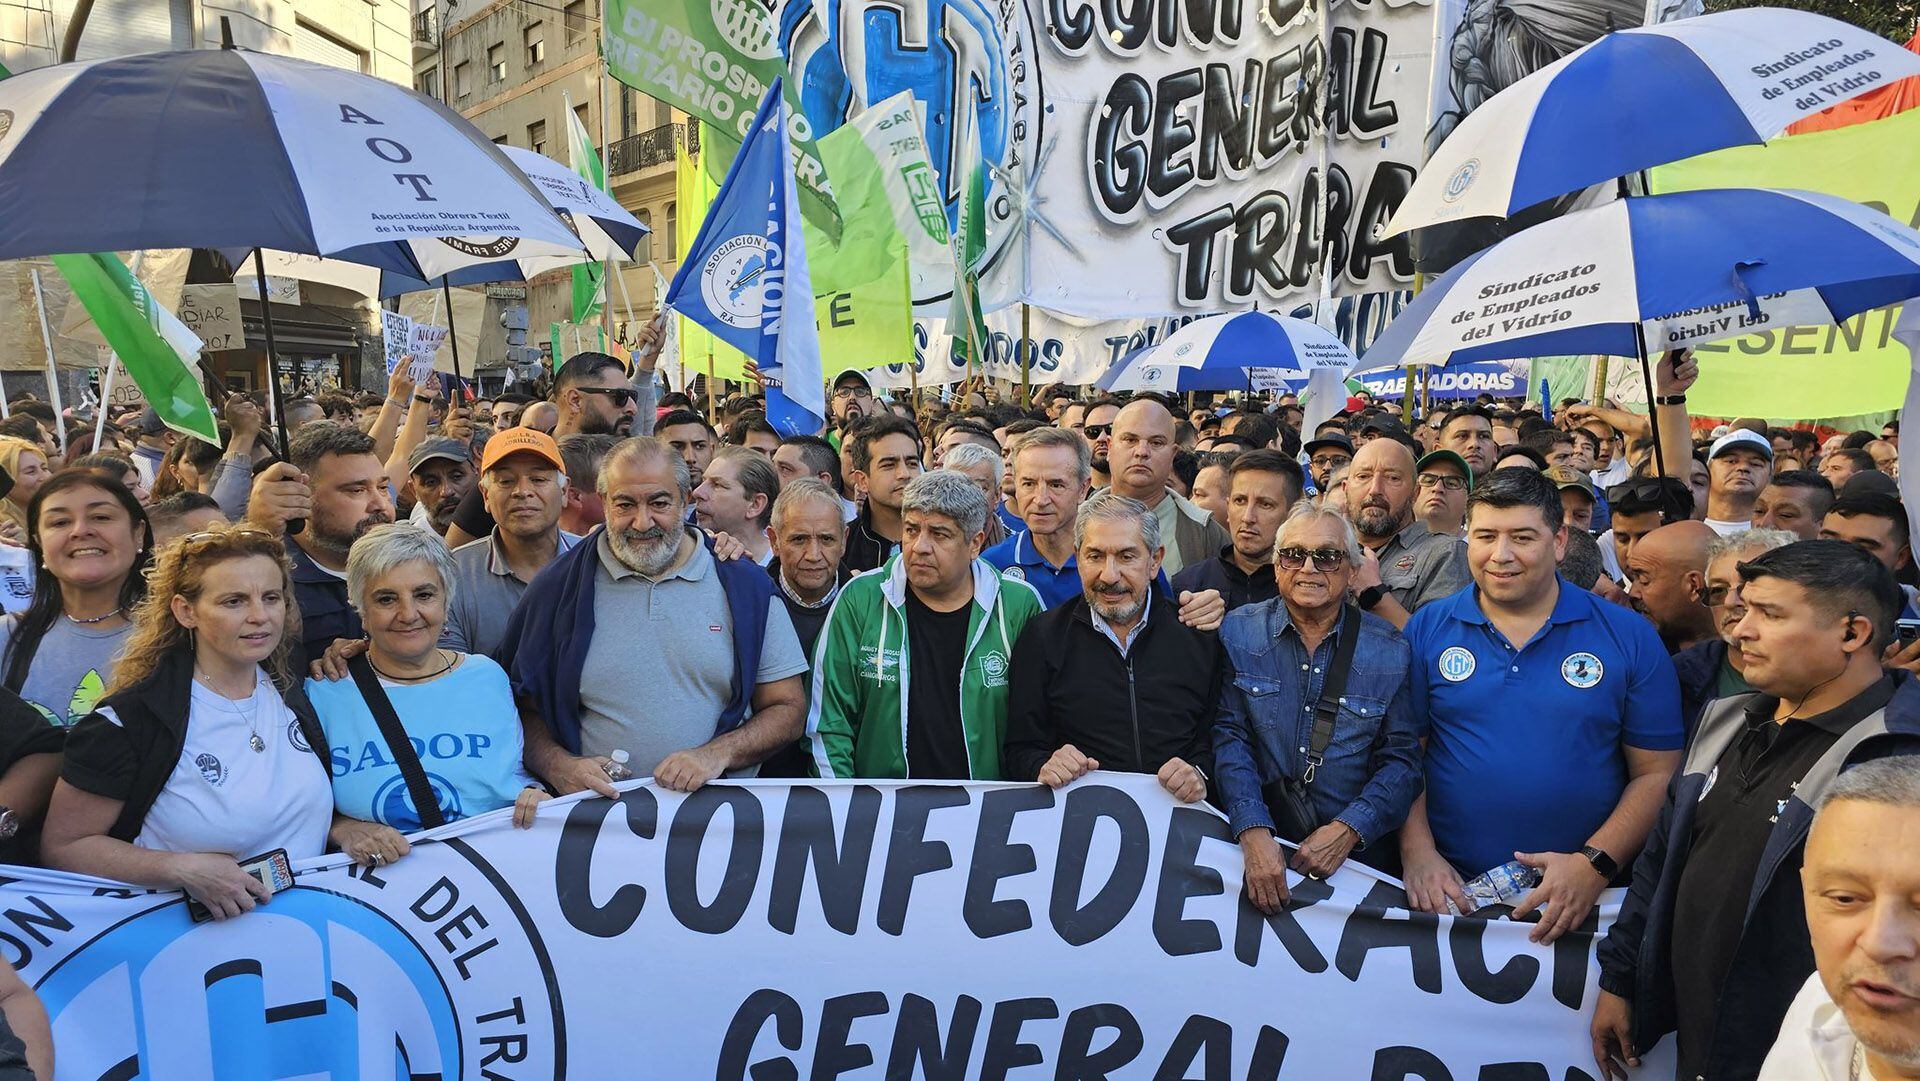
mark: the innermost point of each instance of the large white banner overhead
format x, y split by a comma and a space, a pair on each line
1151, 159
1183, 165
770, 931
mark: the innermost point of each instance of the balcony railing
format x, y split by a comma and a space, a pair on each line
649, 148
426, 29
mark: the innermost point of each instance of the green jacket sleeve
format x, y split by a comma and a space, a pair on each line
834, 706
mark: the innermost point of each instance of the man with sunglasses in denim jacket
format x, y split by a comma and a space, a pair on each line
1279, 653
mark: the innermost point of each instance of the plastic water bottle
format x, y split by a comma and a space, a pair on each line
617, 769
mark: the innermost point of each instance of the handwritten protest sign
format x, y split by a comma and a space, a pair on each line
213, 313
397, 330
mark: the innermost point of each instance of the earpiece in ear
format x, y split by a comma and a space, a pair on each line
1851, 616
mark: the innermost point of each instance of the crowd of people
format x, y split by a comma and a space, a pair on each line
1511, 658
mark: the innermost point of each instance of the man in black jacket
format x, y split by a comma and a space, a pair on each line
1110, 679
1262, 487
1711, 942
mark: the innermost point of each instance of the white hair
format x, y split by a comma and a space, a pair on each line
967, 455
950, 494
1113, 506
385, 548
1305, 514
1892, 781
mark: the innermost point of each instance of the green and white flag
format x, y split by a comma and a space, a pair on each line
965, 322
713, 60
889, 196
156, 348
589, 279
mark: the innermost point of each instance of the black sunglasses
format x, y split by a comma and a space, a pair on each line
622, 396
1095, 431
1293, 559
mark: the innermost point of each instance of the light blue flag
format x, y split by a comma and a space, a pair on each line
745, 278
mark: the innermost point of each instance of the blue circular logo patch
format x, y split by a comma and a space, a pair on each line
1582, 670
1456, 663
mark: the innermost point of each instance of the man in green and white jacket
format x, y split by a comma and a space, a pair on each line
910, 673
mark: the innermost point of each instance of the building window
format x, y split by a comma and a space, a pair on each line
574, 18
536, 39
581, 114
673, 223
497, 62
462, 79
428, 82
645, 253
500, 140
537, 136
629, 112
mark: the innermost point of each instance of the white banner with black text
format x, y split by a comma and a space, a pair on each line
767, 930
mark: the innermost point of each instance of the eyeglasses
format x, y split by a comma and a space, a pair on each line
1095, 431
622, 396
1328, 461
852, 392
221, 534
1715, 596
1326, 559
1441, 480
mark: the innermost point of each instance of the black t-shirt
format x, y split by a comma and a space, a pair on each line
472, 514
1745, 793
936, 651
24, 732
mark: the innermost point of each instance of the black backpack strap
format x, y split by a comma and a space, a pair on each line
404, 756
1331, 689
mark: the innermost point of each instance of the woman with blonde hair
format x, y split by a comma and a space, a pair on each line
27, 464
205, 753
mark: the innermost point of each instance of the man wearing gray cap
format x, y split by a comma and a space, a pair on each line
439, 475
1739, 465
155, 439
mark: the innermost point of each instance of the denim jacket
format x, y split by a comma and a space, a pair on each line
1371, 773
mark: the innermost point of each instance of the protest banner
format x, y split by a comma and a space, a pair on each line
1176, 142
396, 332
212, 312
1791, 372
280, 290
468, 317
767, 929
423, 343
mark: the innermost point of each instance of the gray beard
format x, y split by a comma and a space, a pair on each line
1118, 611
1392, 523
649, 558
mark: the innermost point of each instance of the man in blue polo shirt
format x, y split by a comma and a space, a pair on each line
1052, 468
1552, 719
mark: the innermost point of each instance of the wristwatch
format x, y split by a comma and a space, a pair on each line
9, 824
1603, 864
1670, 399
1369, 597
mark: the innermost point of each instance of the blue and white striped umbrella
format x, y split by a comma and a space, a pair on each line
1644, 97
236, 149
1221, 352
1680, 269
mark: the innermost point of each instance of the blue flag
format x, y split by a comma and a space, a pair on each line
745, 278
1546, 400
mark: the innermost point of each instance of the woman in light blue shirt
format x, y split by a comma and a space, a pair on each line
454, 711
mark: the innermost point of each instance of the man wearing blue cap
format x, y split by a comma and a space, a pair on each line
1739, 466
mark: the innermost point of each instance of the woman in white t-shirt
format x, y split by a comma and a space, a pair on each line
205, 752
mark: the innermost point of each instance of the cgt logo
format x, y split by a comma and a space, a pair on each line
426, 975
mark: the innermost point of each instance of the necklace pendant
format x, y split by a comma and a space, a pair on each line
259, 745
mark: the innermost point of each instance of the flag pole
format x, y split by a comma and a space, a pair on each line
273, 367
606, 177
106, 395
453, 336
53, 377
711, 415
1026, 356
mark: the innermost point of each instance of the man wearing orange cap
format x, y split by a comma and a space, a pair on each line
524, 482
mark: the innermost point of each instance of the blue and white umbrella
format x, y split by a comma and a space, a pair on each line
235, 149
1655, 273
607, 230
1224, 352
1644, 97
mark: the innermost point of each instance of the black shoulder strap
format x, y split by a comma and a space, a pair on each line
1331, 689
398, 744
